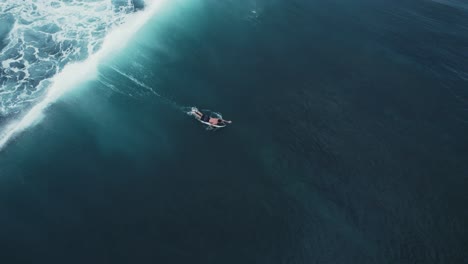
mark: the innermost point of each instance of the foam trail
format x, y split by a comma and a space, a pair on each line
76, 73
135, 80
163, 98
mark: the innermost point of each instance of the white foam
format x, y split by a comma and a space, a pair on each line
45, 36
76, 73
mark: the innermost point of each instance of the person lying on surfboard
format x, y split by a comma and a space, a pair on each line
213, 121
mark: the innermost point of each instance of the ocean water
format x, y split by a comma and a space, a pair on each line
348, 143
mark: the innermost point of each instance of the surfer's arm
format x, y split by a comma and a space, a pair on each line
197, 114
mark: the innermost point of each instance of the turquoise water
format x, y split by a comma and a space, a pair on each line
348, 142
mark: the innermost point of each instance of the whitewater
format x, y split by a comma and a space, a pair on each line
52, 47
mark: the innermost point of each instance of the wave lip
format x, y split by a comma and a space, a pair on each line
73, 74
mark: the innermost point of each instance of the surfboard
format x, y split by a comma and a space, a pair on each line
210, 114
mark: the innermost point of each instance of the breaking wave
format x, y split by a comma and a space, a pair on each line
52, 46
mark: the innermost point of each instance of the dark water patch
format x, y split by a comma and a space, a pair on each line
6, 24
188, 213
49, 28
429, 33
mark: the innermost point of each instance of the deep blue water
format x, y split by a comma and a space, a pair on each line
348, 144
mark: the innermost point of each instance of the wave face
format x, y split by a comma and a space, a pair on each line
39, 37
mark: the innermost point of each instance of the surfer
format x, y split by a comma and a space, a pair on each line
207, 119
